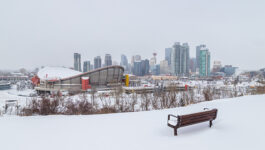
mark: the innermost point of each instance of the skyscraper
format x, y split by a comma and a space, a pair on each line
145, 67
157, 69
135, 58
217, 65
186, 56
180, 59
193, 65
87, 66
97, 62
108, 60
124, 62
205, 60
137, 68
164, 68
141, 68
168, 55
77, 62
198, 48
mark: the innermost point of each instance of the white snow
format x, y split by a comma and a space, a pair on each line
239, 125
13, 94
54, 73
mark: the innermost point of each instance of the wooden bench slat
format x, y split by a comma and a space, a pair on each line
194, 122
198, 116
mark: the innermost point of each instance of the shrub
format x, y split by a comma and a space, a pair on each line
207, 94
106, 110
84, 108
71, 108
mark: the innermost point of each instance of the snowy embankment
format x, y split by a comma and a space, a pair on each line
13, 94
240, 124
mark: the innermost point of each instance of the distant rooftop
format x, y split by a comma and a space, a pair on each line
51, 73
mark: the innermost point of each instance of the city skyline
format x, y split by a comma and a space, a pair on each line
32, 37
83, 60
132, 74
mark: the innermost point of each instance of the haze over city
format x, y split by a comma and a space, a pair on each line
132, 74
47, 33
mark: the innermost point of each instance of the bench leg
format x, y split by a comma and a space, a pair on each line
211, 123
175, 131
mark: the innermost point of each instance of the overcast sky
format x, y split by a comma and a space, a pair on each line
37, 33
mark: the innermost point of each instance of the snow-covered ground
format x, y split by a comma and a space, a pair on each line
13, 94
239, 125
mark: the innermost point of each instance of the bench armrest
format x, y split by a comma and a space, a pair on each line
170, 115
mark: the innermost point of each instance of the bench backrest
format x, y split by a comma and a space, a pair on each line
190, 119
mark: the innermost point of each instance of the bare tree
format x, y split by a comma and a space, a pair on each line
134, 99
93, 93
145, 100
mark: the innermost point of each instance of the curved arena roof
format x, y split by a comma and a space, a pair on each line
56, 73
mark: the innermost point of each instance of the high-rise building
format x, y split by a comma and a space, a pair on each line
141, 68
145, 67
217, 65
77, 62
229, 70
137, 68
198, 49
135, 58
168, 55
124, 62
205, 62
164, 68
108, 60
193, 65
157, 69
152, 63
97, 62
87, 66
180, 59
186, 56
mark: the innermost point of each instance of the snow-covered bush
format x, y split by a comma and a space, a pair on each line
23, 85
117, 100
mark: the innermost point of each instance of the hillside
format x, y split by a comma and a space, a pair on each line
239, 125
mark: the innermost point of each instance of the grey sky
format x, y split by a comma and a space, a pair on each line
35, 33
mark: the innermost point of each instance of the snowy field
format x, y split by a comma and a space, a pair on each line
239, 125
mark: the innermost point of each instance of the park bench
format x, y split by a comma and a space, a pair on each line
190, 119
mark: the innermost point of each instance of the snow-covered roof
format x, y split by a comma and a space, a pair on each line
55, 73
